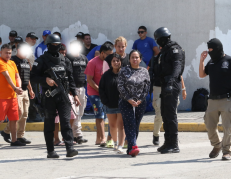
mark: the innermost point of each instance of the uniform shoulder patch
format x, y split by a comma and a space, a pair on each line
175, 50
35, 64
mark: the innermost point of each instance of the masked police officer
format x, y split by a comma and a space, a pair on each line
171, 62
62, 67
219, 103
79, 64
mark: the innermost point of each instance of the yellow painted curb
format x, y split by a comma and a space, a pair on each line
144, 127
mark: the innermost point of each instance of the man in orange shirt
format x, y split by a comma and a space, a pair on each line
11, 85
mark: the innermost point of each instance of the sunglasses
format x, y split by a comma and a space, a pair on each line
140, 32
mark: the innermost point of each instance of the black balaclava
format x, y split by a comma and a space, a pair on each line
53, 53
217, 47
163, 41
53, 49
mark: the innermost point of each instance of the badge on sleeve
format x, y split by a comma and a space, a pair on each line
225, 64
175, 50
35, 64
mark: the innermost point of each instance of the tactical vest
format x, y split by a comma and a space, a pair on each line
59, 69
23, 70
79, 65
166, 60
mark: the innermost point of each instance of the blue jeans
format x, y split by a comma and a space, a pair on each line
97, 107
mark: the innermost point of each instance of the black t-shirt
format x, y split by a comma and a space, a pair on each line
219, 75
124, 61
155, 70
108, 91
86, 50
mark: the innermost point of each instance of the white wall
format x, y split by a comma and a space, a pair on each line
191, 22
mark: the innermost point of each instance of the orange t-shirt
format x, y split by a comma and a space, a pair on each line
6, 91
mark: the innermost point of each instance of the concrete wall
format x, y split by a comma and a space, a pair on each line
192, 23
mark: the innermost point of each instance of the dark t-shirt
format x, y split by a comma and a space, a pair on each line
86, 50
219, 75
124, 62
155, 70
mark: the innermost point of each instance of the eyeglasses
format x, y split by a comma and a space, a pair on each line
140, 32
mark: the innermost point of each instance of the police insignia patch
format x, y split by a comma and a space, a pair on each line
225, 64
35, 64
175, 50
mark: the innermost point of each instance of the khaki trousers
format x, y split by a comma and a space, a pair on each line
215, 109
76, 127
156, 103
23, 107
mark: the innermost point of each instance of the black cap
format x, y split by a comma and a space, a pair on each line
32, 35
80, 34
18, 39
52, 38
13, 33
161, 32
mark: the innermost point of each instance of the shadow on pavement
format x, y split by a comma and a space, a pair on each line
201, 160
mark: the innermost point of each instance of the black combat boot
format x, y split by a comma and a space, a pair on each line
52, 154
71, 152
162, 147
155, 140
80, 140
172, 147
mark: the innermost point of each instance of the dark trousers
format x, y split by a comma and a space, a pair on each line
51, 106
131, 121
169, 111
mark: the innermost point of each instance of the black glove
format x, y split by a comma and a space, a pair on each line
168, 90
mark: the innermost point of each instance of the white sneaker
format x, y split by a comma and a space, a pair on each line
120, 150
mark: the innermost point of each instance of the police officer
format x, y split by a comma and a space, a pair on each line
171, 62
219, 71
17, 40
12, 35
79, 64
62, 67
23, 99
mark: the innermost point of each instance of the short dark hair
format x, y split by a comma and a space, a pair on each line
7, 46
137, 52
108, 42
0, 40
105, 47
143, 27
86, 35
58, 33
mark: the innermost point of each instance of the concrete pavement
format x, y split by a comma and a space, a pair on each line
101, 163
188, 122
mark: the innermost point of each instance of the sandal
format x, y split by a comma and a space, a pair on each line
110, 144
103, 144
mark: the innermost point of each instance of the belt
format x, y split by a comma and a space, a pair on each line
219, 96
80, 85
52, 93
